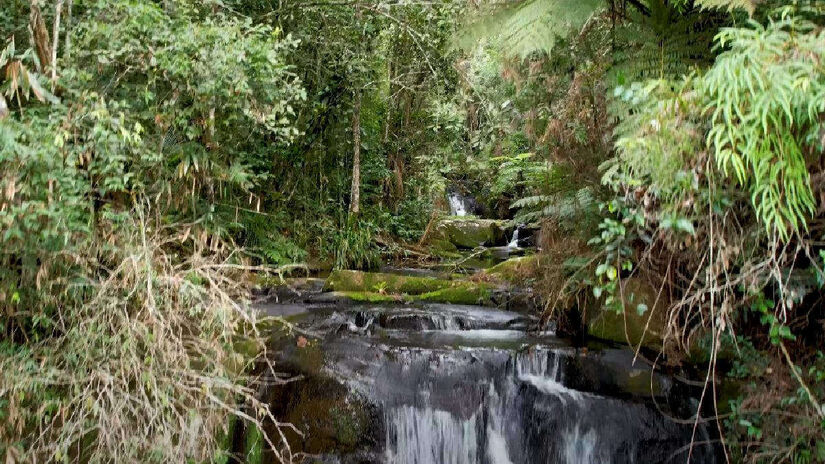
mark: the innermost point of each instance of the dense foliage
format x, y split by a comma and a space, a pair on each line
710, 191
154, 153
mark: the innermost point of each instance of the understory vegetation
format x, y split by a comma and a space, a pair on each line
710, 194
157, 157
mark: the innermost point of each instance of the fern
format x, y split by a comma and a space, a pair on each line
262, 239
562, 207
729, 5
666, 43
766, 93
524, 27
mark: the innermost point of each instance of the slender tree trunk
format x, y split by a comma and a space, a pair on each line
58, 11
355, 196
68, 48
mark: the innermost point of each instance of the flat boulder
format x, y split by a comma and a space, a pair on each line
469, 233
382, 287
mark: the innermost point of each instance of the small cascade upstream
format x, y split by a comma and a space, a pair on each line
456, 384
514, 241
458, 206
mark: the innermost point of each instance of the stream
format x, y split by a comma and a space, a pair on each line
421, 383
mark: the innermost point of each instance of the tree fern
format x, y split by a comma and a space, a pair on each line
527, 26
665, 43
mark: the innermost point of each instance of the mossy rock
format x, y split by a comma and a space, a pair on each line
375, 287
629, 326
332, 419
638, 382
514, 270
359, 281
700, 350
470, 294
368, 297
441, 245
469, 233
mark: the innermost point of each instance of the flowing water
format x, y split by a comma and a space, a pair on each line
458, 206
454, 384
514, 241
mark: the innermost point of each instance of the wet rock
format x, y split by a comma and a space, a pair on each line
629, 326
378, 287
331, 417
514, 270
468, 293
286, 290
468, 233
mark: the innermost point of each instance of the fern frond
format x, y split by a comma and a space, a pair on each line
528, 202
527, 26
729, 5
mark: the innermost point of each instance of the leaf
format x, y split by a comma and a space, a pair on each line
612, 273
641, 308
35, 86
685, 225
601, 269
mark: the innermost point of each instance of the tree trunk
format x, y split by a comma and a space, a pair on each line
355, 196
58, 11
40, 36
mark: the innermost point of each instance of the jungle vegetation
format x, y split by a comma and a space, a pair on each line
156, 156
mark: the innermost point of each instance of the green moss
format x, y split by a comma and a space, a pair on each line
349, 424
332, 418
368, 297
630, 326
468, 232
254, 446
247, 347
460, 294
225, 439
699, 351
358, 281
362, 287
514, 270
441, 245
268, 281
646, 329
621, 328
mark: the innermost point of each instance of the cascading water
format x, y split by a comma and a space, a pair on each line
452, 384
514, 241
457, 206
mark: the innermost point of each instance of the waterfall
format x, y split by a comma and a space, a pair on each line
580, 448
426, 435
453, 384
514, 241
457, 207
